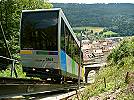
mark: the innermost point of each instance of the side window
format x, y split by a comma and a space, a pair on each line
77, 52
62, 35
69, 44
67, 40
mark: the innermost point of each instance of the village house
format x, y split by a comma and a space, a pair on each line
97, 50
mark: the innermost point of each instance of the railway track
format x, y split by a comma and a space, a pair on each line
9, 80
48, 95
13, 87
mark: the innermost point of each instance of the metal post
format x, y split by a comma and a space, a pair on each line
84, 79
80, 61
6, 45
12, 68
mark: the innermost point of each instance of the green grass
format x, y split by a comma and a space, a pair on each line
95, 29
7, 72
109, 33
115, 78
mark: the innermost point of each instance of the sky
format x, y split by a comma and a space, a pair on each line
91, 1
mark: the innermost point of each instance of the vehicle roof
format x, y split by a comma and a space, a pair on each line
52, 9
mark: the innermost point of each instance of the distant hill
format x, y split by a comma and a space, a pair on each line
95, 14
116, 17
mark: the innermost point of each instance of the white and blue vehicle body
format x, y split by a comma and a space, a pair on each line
49, 48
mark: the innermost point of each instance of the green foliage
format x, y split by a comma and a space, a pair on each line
110, 34
125, 96
123, 24
124, 49
88, 28
120, 61
118, 18
7, 72
90, 33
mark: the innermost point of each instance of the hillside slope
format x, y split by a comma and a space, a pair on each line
120, 62
116, 17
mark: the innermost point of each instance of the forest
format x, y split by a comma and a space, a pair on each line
115, 17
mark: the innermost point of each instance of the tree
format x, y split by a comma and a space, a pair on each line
125, 49
123, 25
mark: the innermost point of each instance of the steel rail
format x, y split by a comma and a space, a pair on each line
10, 90
8, 58
10, 87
